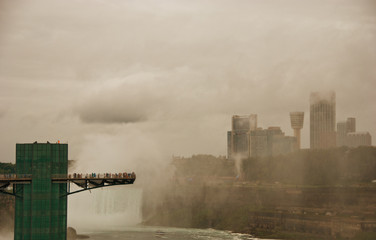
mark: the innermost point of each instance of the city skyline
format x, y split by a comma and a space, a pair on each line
168, 82
246, 139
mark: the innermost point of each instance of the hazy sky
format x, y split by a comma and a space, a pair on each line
128, 83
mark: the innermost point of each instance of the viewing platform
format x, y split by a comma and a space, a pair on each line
41, 186
85, 181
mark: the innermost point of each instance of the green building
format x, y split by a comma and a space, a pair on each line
41, 206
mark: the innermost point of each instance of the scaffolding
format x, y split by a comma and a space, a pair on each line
41, 186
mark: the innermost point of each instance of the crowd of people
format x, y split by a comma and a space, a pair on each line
103, 175
12, 175
123, 175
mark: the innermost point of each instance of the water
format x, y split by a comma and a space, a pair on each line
155, 233
111, 212
102, 208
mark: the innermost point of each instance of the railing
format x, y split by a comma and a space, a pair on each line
95, 176
73, 176
7, 176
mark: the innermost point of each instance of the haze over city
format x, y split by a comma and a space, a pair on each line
194, 97
140, 81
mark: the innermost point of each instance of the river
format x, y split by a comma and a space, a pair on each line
155, 233
112, 211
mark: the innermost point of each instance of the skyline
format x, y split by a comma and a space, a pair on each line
146, 81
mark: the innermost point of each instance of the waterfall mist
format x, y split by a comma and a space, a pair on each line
107, 208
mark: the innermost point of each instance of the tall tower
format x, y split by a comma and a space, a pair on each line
297, 120
41, 208
322, 120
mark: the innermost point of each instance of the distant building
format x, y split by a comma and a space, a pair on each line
322, 120
229, 144
341, 133
259, 143
356, 139
351, 125
238, 139
246, 140
271, 142
343, 128
347, 135
297, 120
244, 123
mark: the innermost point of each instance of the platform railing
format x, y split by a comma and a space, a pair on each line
9, 176
73, 176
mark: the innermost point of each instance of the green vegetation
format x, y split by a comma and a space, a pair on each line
7, 168
203, 165
337, 166
297, 196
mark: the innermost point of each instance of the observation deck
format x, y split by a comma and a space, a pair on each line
84, 181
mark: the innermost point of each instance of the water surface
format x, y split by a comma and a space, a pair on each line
148, 233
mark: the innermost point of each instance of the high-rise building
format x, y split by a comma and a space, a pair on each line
238, 138
297, 120
246, 140
244, 123
341, 133
271, 142
322, 120
343, 128
347, 135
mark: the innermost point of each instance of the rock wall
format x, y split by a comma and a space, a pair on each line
271, 210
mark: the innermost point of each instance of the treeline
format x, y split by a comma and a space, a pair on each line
315, 167
203, 165
7, 168
305, 167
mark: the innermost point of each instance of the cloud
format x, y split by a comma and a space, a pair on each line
2, 112
179, 70
132, 99
147, 95
107, 108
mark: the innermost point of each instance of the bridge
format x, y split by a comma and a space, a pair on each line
41, 186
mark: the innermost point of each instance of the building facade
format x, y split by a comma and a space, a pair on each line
347, 135
238, 139
322, 120
341, 133
271, 142
245, 140
356, 139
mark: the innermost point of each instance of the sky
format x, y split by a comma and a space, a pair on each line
131, 83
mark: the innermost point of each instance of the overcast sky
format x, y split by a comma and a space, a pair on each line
138, 81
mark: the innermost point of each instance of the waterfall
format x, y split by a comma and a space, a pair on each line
105, 208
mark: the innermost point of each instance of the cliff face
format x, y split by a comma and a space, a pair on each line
308, 194
272, 210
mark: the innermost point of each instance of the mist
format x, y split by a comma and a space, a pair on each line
129, 84
69, 70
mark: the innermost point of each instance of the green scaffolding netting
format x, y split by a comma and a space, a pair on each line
41, 207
